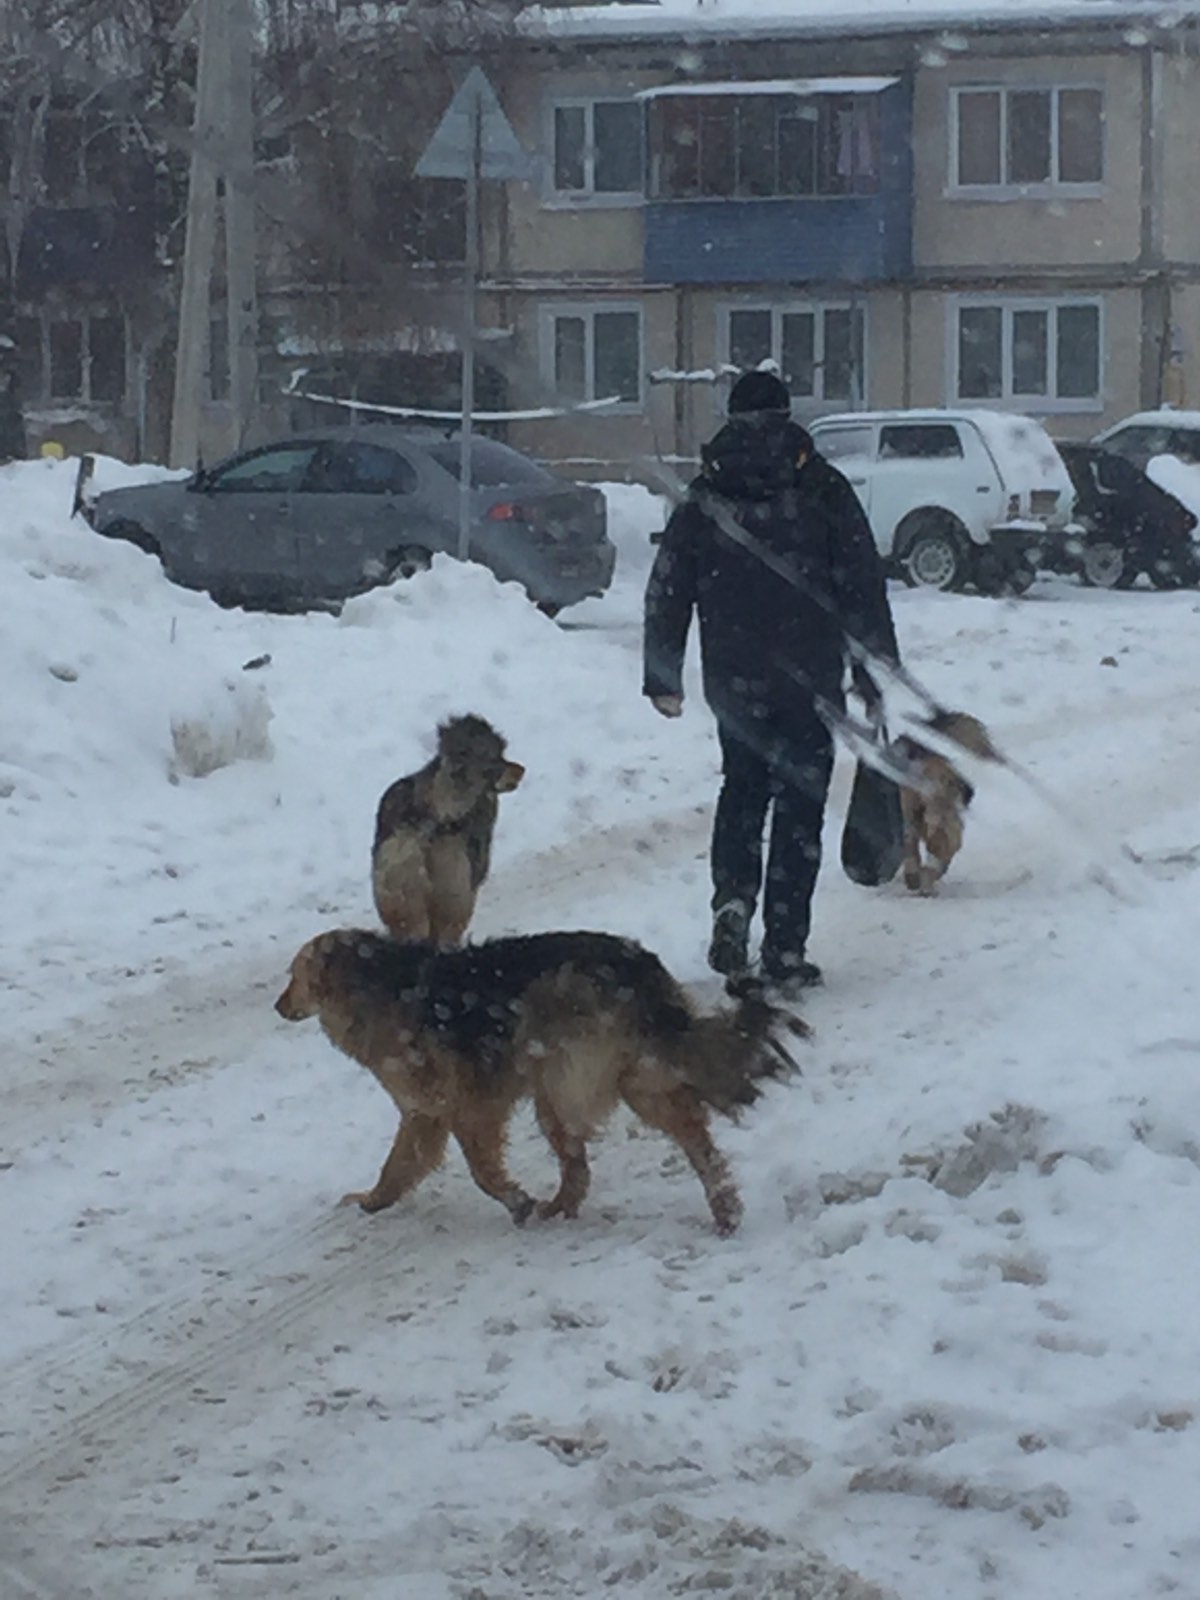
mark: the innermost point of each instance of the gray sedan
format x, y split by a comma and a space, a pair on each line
331, 513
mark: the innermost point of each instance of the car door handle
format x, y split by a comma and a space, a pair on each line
858, 482
983, 488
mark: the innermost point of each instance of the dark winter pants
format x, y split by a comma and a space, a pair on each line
782, 761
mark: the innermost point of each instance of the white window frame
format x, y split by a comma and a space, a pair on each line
817, 308
588, 196
1004, 190
1008, 399
588, 310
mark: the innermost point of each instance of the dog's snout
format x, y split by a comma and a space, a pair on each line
510, 777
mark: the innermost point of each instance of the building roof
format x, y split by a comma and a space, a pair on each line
693, 19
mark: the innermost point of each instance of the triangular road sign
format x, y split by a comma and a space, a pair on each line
450, 153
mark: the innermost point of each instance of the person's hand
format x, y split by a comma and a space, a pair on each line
667, 705
867, 689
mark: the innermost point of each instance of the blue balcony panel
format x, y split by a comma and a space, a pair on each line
851, 239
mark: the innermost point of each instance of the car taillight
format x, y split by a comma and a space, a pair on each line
506, 511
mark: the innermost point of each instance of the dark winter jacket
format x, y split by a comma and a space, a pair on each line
765, 641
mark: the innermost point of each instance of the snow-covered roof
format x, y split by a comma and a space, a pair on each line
774, 18
796, 86
1020, 445
1164, 417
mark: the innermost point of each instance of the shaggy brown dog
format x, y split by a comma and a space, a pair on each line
934, 813
577, 1021
433, 834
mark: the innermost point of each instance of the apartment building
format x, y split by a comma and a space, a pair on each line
903, 204
997, 214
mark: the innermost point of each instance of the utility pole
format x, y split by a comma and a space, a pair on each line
194, 343
474, 140
241, 290
222, 160
470, 315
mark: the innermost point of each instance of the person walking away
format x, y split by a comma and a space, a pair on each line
769, 650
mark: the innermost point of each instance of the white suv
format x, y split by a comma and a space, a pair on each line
954, 497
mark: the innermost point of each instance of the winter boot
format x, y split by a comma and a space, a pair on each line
727, 950
788, 978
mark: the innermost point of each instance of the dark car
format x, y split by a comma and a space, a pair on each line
329, 514
1146, 434
1130, 525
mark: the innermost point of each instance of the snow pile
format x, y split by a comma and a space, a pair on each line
1178, 478
226, 720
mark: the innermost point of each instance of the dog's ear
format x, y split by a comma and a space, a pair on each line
298, 999
510, 777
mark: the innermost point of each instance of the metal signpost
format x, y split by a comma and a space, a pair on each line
474, 140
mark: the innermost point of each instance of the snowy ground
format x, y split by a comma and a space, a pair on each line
217, 1384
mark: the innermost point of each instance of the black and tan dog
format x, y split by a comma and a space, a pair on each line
935, 812
576, 1021
433, 834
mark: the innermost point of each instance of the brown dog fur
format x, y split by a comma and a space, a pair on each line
576, 1021
935, 812
433, 834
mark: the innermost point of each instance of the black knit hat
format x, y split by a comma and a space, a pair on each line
759, 391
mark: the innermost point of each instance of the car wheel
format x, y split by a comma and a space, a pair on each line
935, 555
1107, 566
406, 563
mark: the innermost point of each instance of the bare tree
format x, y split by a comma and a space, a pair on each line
121, 63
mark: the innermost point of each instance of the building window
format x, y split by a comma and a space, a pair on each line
818, 349
1020, 139
764, 146
73, 358
595, 353
597, 147
1044, 354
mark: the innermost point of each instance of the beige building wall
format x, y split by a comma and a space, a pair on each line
594, 444
1183, 384
588, 238
886, 363
1177, 155
1011, 232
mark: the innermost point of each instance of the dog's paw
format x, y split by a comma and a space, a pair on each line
547, 1210
365, 1199
727, 1213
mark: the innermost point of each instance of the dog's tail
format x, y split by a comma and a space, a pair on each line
725, 1055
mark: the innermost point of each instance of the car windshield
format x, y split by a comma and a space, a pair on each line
492, 464
1138, 444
